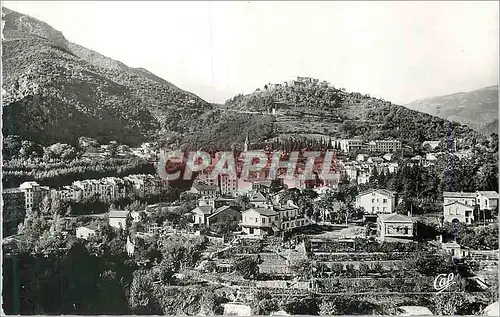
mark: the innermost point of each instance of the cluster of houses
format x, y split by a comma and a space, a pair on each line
363, 167
379, 207
457, 207
264, 217
381, 146
460, 206
147, 151
22, 200
299, 82
110, 188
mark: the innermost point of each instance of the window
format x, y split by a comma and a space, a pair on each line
263, 220
385, 209
256, 220
373, 208
373, 200
384, 201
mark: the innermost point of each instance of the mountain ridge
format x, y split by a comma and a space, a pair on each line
58, 91
47, 76
477, 108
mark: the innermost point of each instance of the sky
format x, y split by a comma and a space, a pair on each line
399, 51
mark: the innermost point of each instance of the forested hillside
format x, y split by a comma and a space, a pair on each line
478, 109
57, 91
319, 110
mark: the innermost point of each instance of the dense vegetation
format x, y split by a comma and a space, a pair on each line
58, 91
477, 109
320, 110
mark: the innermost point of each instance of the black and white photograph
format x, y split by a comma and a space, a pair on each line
246, 158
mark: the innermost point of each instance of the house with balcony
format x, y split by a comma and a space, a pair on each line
118, 219
205, 190
377, 201
33, 194
457, 211
462, 197
290, 217
394, 226
201, 214
86, 232
350, 145
228, 184
260, 221
460, 206
487, 200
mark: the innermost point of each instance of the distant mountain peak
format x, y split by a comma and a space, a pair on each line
477, 108
58, 91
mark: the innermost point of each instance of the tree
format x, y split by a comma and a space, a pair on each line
142, 299
69, 211
276, 186
247, 267
448, 303
264, 304
302, 306
301, 267
45, 206
11, 146
225, 226
364, 269
430, 264
165, 271
327, 308
243, 201
210, 304
55, 205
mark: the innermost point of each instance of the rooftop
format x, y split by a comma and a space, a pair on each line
384, 192
204, 187
11, 190
394, 218
220, 209
488, 194
458, 195
118, 214
263, 211
256, 196
91, 227
29, 184
205, 210
460, 204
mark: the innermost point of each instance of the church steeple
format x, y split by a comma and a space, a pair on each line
246, 144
